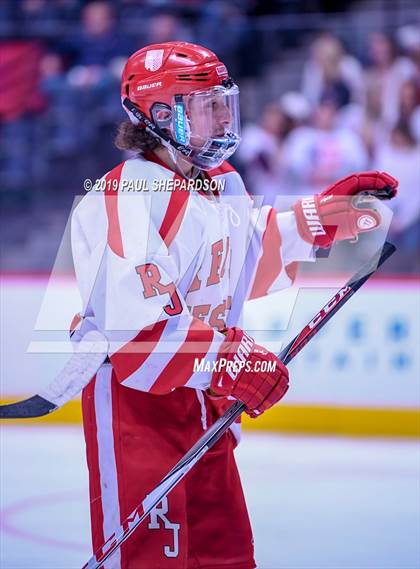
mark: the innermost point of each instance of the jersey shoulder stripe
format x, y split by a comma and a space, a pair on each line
111, 205
174, 214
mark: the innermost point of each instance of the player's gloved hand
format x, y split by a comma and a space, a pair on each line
249, 372
334, 215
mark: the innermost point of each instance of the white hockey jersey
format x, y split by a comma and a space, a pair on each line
161, 270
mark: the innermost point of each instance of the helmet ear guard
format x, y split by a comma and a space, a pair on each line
138, 117
161, 115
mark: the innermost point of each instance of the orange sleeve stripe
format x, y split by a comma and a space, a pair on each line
174, 214
77, 318
132, 355
291, 270
180, 368
111, 205
270, 263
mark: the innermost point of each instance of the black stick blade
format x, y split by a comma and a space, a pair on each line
35, 406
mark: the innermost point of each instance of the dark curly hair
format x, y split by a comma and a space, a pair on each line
132, 137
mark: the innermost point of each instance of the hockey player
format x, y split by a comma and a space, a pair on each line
163, 273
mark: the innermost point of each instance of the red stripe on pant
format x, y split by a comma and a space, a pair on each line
92, 455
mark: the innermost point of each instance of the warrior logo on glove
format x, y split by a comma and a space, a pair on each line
340, 211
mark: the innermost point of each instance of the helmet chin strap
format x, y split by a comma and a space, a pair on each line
194, 171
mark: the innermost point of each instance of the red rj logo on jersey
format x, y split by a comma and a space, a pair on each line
151, 277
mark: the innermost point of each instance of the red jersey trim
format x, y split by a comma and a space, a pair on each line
181, 367
132, 355
224, 168
174, 214
77, 318
291, 270
150, 156
270, 263
111, 205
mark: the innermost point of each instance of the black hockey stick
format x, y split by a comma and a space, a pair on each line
217, 430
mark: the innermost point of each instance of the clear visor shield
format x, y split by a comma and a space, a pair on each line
208, 123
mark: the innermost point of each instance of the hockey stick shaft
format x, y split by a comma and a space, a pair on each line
217, 430
336, 302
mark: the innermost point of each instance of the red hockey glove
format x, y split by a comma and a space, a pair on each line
249, 372
333, 215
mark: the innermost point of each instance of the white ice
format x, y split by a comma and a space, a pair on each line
315, 503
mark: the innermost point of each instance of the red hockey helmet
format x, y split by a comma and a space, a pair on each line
182, 93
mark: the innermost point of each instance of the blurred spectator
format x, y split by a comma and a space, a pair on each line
329, 65
319, 154
166, 26
408, 38
260, 152
85, 97
296, 109
44, 17
222, 27
61, 120
100, 40
261, 148
38, 14
401, 157
384, 78
55, 107
409, 107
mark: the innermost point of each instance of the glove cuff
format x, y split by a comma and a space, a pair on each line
309, 224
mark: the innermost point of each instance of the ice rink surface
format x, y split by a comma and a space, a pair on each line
315, 503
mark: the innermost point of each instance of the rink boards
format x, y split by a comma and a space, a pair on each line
360, 376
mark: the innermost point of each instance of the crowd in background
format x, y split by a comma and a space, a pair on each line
346, 117
351, 109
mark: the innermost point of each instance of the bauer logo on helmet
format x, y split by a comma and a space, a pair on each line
153, 85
